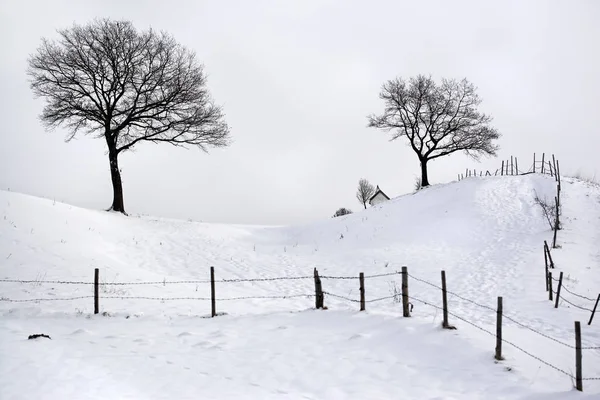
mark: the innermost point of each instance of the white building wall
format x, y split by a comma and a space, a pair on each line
379, 198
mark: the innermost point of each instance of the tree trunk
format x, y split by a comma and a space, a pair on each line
424, 178
365, 204
115, 175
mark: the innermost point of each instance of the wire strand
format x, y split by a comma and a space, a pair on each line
494, 310
49, 299
341, 297
493, 334
562, 298
576, 295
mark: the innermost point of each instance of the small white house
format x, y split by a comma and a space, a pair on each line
378, 197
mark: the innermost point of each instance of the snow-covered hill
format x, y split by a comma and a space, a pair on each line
486, 233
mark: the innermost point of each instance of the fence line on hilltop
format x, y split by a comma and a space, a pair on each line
553, 213
510, 167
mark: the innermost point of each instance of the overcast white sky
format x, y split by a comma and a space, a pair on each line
297, 80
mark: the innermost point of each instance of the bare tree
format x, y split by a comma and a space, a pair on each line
108, 80
552, 212
364, 192
437, 120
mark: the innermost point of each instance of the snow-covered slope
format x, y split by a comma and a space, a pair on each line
486, 233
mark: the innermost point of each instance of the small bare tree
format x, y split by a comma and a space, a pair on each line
364, 192
552, 212
111, 81
437, 120
417, 185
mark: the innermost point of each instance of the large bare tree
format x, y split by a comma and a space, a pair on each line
364, 192
436, 119
111, 81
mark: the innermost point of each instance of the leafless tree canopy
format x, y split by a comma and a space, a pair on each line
437, 119
364, 192
111, 81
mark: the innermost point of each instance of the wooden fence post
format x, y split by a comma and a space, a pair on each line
558, 289
502, 170
213, 299
516, 166
558, 174
594, 310
361, 279
556, 223
405, 299
96, 291
551, 265
550, 292
543, 156
578, 367
318, 291
445, 323
499, 330
511, 165
534, 163
546, 262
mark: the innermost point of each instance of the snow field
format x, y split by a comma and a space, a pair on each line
486, 233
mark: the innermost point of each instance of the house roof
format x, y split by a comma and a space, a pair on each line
378, 191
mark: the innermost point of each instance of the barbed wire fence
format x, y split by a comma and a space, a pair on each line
553, 212
546, 166
510, 167
320, 295
558, 296
578, 377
